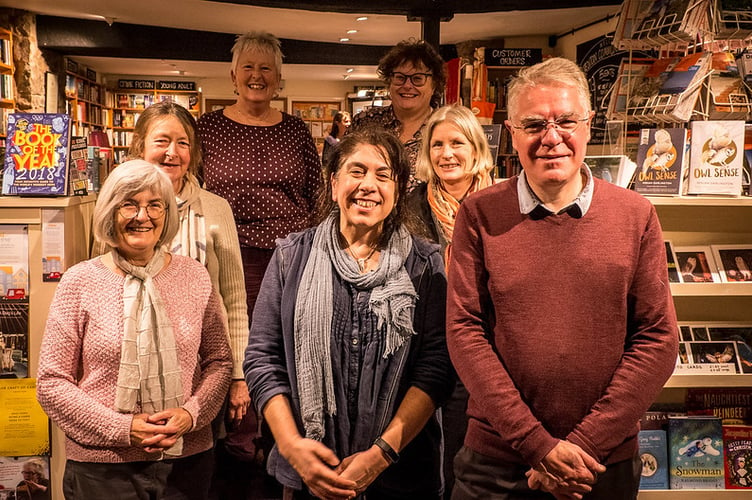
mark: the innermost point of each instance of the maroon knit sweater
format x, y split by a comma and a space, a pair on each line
561, 328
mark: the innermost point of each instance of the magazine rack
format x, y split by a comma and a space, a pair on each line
669, 109
738, 106
665, 30
733, 25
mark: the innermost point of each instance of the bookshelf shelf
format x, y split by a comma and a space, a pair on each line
685, 381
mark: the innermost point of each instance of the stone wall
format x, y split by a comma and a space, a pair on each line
31, 63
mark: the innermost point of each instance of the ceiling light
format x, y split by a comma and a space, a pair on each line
350, 70
344, 39
351, 32
361, 18
345, 77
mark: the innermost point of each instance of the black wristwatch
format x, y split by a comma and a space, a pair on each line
391, 455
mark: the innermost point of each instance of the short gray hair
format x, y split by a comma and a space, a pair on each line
557, 72
125, 181
264, 42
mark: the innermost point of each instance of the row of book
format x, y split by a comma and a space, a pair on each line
7, 89
125, 119
652, 23
82, 89
696, 452
703, 443
121, 138
134, 101
6, 52
716, 161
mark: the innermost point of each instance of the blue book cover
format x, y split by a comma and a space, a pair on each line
695, 453
36, 154
654, 458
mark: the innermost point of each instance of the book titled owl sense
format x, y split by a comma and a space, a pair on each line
716, 159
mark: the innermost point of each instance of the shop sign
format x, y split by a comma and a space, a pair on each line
512, 57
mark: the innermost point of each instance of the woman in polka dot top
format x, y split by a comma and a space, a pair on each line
263, 162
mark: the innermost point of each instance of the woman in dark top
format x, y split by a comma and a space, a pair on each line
340, 124
347, 358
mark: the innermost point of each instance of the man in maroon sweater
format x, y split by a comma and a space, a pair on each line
560, 320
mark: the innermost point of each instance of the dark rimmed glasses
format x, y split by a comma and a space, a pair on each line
417, 79
154, 210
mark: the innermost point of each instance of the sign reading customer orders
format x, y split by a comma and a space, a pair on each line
512, 57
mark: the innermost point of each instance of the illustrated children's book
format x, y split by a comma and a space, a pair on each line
695, 453
654, 458
661, 161
36, 154
737, 456
716, 159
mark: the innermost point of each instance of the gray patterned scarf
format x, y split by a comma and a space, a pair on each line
392, 300
191, 238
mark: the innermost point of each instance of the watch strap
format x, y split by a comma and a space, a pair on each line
391, 455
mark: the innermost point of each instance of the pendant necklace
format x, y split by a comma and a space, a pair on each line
362, 261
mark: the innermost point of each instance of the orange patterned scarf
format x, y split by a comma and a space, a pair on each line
445, 206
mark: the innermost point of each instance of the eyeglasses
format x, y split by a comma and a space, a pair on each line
417, 79
130, 210
565, 126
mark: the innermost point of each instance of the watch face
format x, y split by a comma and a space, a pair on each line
649, 464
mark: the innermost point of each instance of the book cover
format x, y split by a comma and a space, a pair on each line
661, 161
36, 154
737, 456
695, 453
731, 404
79, 177
616, 169
716, 157
12, 477
14, 339
654, 459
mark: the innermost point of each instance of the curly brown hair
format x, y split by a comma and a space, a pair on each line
415, 52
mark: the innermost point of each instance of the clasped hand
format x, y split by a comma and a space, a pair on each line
567, 472
159, 431
328, 478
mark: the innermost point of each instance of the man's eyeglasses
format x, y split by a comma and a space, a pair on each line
417, 79
565, 126
129, 210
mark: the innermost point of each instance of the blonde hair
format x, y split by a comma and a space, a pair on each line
261, 41
464, 119
125, 181
557, 72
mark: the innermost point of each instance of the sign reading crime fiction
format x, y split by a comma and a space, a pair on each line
36, 154
136, 84
512, 57
191, 86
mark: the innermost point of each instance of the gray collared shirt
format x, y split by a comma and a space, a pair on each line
529, 202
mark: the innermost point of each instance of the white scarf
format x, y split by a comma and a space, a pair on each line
149, 371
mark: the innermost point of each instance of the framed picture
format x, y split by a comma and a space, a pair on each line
696, 265
739, 333
723, 352
280, 103
673, 269
734, 262
215, 104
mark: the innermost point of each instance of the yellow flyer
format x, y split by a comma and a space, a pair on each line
24, 427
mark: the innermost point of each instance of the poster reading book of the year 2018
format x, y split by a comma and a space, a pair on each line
36, 154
